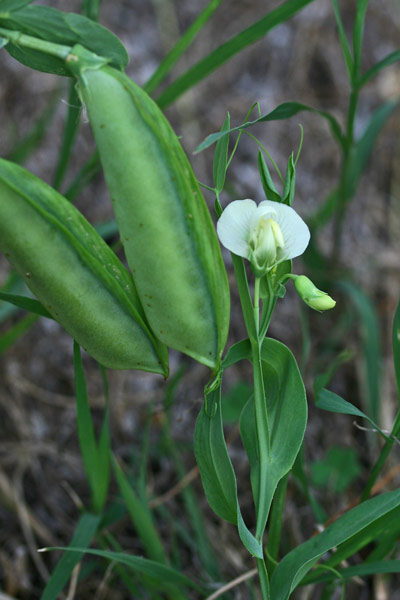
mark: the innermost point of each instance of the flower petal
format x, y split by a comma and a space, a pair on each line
294, 229
234, 226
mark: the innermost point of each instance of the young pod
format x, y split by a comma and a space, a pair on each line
74, 274
166, 230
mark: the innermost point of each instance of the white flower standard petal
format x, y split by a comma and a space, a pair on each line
234, 226
265, 234
294, 230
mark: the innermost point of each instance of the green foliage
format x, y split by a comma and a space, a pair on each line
337, 470
68, 29
295, 565
287, 414
95, 456
82, 538
224, 52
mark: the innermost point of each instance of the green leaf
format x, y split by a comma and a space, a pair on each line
224, 52
8, 6
371, 344
396, 347
331, 402
55, 26
383, 526
348, 59
363, 570
295, 565
390, 59
141, 517
155, 571
70, 131
270, 190
239, 351
82, 538
336, 470
95, 461
26, 303
216, 471
180, 47
283, 111
234, 400
215, 466
221, 158
287, 414
358, 32
290, 182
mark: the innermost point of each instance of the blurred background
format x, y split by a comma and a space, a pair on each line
42, 483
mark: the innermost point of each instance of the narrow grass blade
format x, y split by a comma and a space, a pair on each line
390, 59
84, 176
220, 160
180, 47
8, 338
96, 470
69, 134
224, 52
283, 111
141, 517
363, 570
29, 304
371, 344
358, 33
348, 59
82, 538
396, 347
163, 574
295, 565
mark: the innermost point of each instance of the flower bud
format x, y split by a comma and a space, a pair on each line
311, 295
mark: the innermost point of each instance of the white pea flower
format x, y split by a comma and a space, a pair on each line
265, 234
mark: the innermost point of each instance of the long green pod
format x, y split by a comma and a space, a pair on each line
73, 272
168, 236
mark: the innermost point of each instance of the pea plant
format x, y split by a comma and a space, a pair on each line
174, 295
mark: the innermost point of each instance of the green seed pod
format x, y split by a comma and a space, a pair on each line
166, 230
74, 274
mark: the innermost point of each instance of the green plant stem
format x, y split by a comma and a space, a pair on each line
382, 458
21, 39
263, 577
343, 195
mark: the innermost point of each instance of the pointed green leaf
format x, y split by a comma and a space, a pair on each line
295, 565
7, 6
163, 574
82, 538
270, 190
390, 59
331, 402
221, 157
216, 471
287, 414
26, 303
290, 182
224, 52
283, 111
63, 28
